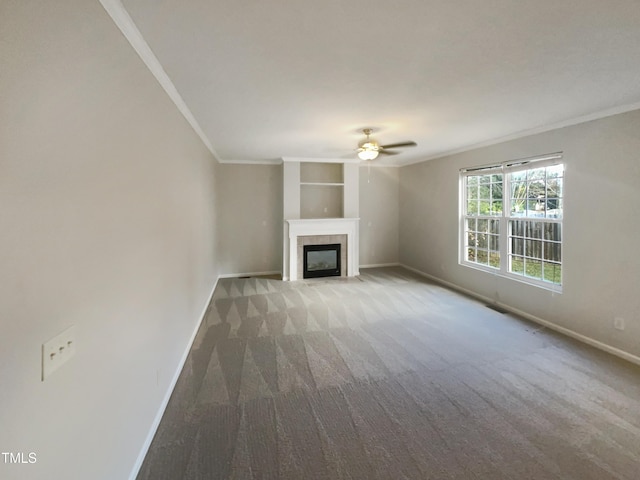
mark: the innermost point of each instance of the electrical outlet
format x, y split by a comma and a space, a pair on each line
618, 323
57, 351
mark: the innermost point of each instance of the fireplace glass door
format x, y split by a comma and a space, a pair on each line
321, 261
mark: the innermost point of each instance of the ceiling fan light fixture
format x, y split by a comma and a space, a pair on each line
367, 154
368, 149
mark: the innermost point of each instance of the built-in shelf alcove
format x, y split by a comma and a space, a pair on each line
321, 190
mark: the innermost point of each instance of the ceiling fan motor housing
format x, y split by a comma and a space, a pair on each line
368, 144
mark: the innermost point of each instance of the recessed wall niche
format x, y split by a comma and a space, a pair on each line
321, 190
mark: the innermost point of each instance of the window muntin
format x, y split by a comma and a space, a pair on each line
518, 233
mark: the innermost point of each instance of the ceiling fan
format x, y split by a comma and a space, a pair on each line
368, 149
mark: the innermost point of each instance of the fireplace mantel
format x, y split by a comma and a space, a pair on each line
323, 226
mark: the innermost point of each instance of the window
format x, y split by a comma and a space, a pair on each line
511, 220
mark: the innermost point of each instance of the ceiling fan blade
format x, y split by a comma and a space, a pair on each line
386, 152
399, 145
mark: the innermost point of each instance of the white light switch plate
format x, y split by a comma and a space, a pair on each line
57, 351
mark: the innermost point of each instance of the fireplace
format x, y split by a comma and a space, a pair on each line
320, 231
321, 261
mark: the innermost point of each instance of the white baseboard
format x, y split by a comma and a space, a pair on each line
165, 401
546, 323
379, 265
250, 274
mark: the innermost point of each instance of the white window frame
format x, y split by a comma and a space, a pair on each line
505, 169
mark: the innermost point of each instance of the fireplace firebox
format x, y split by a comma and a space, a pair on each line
321, 261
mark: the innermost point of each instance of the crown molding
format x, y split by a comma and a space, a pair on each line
125, 23
266, 161
321, 160
280, 161
629, 107
375, 164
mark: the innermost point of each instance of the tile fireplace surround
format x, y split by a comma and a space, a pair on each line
321, 227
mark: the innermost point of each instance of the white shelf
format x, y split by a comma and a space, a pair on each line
324, 184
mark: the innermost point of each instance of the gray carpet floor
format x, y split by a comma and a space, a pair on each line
388, 376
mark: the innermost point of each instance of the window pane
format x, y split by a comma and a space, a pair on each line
471, 224
471, 239
494, 226
517, 228
472, 192
517, 246
482, 225
553, 207
552, 203
552, 251
471, 255
555, 186
518, 197
496, 208
552, 231
485, 207
472, 207
534, 229
552, 272
494, 259
536, 206
519, 176
533, 268
482, 258
517, 265
485, 179
558, 213
536, 190
533, 248
496, 191
494, 242
555, 171
536, 175
482, 240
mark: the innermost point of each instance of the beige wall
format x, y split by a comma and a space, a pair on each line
601, 264
379, 215
250, 219
250, 223
108, 223
321, 201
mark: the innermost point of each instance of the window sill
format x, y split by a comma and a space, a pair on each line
551, 287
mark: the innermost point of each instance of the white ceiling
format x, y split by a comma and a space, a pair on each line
301, 78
